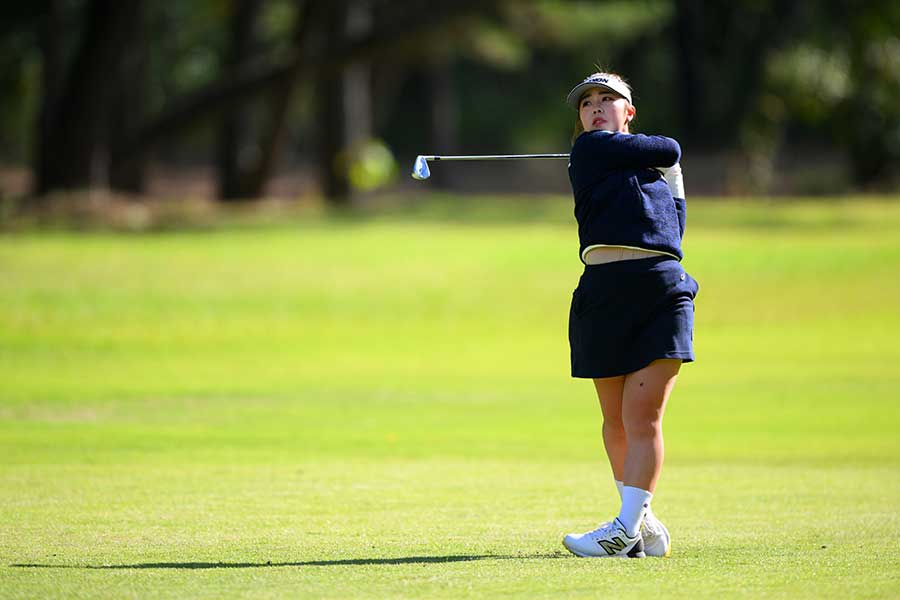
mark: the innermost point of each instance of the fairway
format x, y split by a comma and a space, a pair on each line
379, 407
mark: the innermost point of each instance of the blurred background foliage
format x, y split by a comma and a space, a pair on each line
335, 98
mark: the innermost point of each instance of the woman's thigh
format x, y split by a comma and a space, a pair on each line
646, 391
610, 392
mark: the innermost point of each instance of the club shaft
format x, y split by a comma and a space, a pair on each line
495, 156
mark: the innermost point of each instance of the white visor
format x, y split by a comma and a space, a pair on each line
601, 80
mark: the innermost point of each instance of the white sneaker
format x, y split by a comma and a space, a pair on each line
608, 540
656, 537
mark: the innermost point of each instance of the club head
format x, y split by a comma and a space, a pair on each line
420, 169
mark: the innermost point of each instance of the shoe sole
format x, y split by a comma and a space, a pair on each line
581, 555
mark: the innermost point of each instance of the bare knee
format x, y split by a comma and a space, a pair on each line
613, 427
642, 428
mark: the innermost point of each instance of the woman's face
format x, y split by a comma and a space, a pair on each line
602, 109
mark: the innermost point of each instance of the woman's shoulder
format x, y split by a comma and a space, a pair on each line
593, 139
598, 134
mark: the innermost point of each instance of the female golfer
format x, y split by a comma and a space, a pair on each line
632, 315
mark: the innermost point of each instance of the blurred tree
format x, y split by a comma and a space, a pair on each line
869, 114
237, 152
343, 98
275, 134
723, 48
128, 88
316, 59
836, 84
500, 82
72, 146
253, 130
223, 77
19, 56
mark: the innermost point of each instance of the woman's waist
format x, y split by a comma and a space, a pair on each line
599, 254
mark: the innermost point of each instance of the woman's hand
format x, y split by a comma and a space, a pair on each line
674, 178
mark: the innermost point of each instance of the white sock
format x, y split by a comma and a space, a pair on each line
620, 485
635, 503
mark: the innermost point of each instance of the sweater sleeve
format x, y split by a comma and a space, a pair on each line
628, 151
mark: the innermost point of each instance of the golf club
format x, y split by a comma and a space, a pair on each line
421, 171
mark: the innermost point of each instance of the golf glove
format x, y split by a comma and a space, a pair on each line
674, 179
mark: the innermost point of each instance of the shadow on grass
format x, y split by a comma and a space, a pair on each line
404, 560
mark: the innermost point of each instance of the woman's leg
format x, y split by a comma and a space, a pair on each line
609, 391
633, 405
643, 403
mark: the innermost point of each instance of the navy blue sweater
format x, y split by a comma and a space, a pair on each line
620, 199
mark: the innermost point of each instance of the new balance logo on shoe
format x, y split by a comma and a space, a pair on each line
613, 545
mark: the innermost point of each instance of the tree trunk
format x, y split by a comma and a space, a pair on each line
50, 35
344, 101
237, 153
72, 152
273, 140
330, 137
688, 44
127, 107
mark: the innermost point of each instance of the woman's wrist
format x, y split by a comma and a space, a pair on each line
674, 178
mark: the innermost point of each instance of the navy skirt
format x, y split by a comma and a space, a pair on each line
627, 314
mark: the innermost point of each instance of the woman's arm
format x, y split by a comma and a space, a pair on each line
627, 151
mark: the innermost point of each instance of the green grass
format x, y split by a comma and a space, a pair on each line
381, 407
